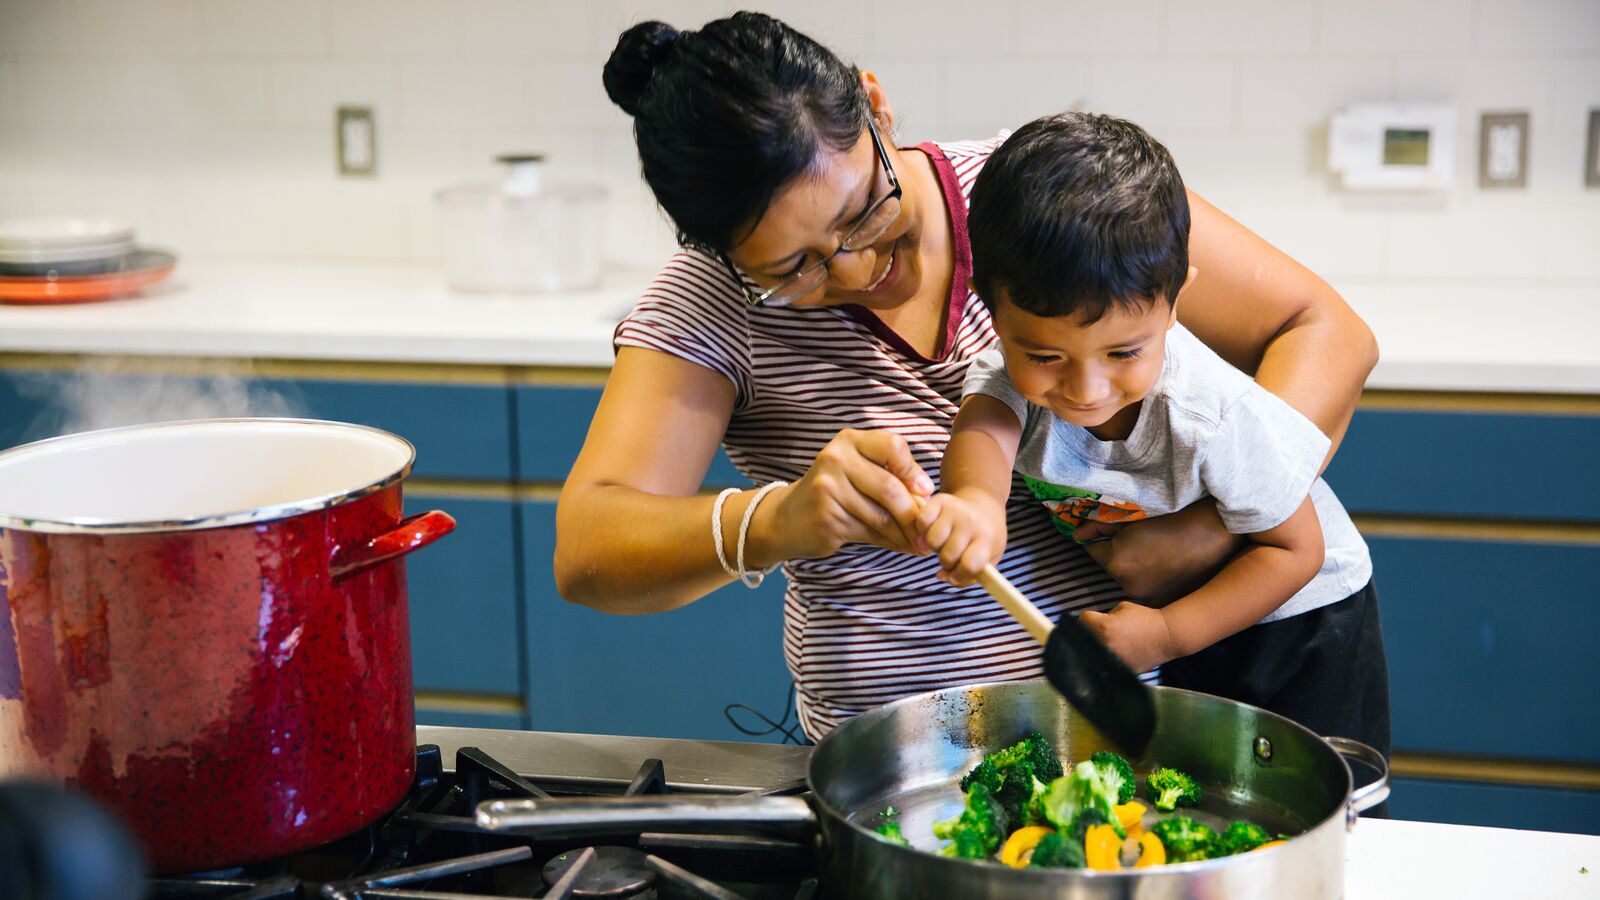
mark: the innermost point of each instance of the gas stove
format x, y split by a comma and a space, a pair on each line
430, 847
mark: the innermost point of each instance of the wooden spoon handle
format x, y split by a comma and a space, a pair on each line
1020, 608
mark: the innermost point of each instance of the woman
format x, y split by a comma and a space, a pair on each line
818, 324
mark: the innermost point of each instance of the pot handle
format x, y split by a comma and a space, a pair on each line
582, 817
412, 533
1368, 795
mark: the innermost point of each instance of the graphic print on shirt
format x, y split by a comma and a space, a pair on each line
1070, 507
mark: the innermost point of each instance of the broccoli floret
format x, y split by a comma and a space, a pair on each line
1056, 851
1083, 791
977, 832
890, 831
1010, 774
1079, 829
1185, 840
1241, 837
1118, 774
1169, 789
1033, 812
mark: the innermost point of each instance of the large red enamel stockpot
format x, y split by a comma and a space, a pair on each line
204, 625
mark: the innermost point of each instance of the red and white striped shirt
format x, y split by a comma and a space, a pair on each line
866, 625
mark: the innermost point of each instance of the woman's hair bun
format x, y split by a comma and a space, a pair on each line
633, 63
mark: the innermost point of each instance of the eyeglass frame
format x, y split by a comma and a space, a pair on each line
894, 193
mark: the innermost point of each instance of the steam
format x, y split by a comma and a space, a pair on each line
109, 392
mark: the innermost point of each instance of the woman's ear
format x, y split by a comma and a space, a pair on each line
878, 101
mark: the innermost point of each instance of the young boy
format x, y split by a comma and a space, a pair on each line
1111, 411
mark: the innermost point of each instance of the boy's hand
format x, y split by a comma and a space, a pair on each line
967, 535
1137, 634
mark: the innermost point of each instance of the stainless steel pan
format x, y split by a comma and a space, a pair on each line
911, 754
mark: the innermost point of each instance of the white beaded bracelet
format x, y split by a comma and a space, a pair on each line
753, 580
716, 530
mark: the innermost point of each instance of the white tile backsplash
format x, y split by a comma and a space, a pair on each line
210, 122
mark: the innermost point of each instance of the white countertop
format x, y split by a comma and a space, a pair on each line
1386, 858
1467, 338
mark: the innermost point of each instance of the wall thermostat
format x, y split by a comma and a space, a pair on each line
1394, 146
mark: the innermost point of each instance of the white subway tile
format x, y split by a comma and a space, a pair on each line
10, 102
1477, 85
1452, 240
460, 29
1077, 28
172, 95
1548, 25
984, 96
456, 95
37, 27
941, 28
839, 25
1298, 96
1332, 242
638, 233
612, 17
1165, 96
145, 29
572, 95
428, 160
1572, 238
1575, 90
1240, 27
251, 26
347, 220
285, 156
1238, 171
308, 93
1411, 28
569, 154
196, 217
916, 95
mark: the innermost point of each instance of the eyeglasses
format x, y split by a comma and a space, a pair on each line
866, 232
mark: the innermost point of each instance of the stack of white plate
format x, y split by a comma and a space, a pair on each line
63, 245
73, 260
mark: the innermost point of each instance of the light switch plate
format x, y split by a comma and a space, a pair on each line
357, 141
1591, 160
1503, 150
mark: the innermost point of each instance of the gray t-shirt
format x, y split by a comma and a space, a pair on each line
1205, 429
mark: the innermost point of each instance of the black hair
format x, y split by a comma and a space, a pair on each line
1076, 213
726, 116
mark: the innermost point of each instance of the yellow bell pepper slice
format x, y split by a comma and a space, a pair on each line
1018, 848
1151, 852
1131, 815
1269, 844
1102, 848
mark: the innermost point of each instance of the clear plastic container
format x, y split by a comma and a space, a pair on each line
522, 235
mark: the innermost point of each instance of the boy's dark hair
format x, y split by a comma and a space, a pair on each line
726, 116
1076, 213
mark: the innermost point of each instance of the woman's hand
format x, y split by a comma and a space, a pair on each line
863, 486
967, 533
1161, 559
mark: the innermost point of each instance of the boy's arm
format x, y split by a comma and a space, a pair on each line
1271, 568
982, 451
965, 523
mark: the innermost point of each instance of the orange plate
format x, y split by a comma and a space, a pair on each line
150, 269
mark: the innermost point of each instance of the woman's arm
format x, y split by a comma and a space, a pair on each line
633, 535
1269, 316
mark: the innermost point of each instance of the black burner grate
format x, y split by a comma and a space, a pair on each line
431, 848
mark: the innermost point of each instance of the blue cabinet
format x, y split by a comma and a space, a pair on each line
1477, 465
552, 422
1491, 646
1496, 805
666, 675
465, 618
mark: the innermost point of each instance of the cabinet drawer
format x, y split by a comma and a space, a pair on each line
1491, 465
664, 675
552, 422
463, 595
460, 431
1496, 805
1491, 646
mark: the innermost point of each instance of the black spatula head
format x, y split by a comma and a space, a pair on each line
1100, 686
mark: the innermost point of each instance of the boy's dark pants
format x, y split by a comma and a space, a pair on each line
1324, 669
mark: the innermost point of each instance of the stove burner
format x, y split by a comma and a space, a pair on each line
613, 872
